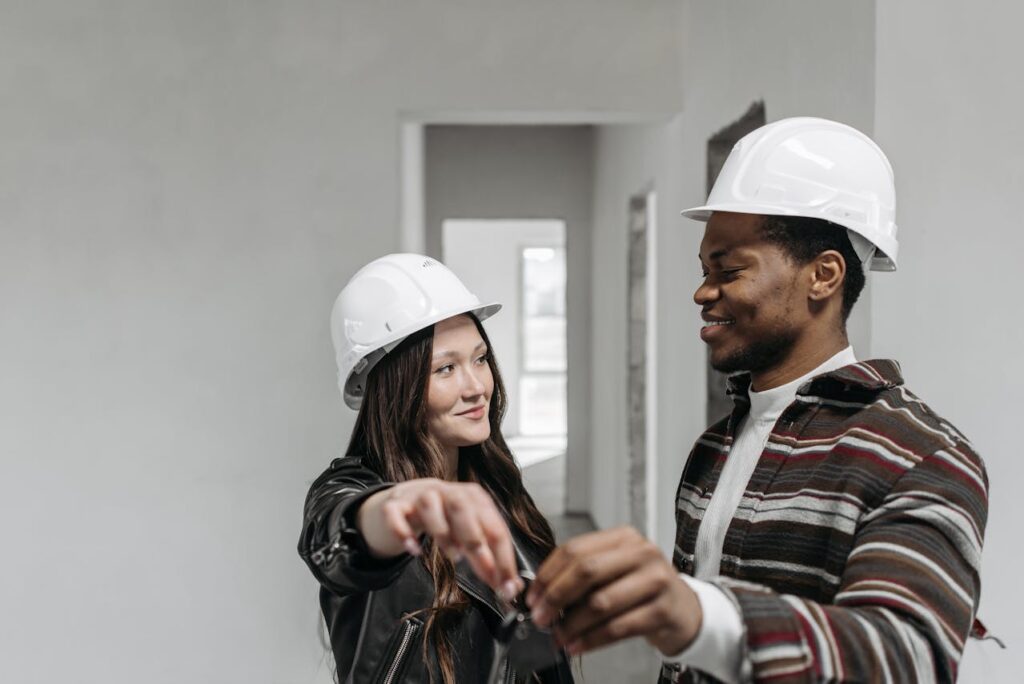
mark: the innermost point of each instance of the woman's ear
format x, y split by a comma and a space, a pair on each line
829, 270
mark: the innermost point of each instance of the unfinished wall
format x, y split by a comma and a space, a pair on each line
184, 187
627, 160
949, 119
733, 54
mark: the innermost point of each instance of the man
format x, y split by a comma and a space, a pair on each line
831, 527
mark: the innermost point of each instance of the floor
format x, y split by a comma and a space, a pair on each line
545, 481
629, 662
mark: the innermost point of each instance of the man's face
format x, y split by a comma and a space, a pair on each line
751, 300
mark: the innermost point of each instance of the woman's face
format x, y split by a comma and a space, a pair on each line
460, 385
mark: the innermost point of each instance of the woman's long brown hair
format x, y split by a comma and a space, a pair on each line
391, 437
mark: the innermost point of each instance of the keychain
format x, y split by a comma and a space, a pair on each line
526, 647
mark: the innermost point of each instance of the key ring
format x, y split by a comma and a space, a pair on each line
523, 647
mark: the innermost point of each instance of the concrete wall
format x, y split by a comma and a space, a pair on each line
184, 187
628, 160
741, 51
948, 115
947, 118
733, 54
524, 172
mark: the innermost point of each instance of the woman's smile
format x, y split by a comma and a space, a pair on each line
475, 413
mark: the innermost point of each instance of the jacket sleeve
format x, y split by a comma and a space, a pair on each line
907, 595
330, 543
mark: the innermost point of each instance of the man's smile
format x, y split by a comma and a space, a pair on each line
713, 325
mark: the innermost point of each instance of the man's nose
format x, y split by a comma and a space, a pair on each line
705, 293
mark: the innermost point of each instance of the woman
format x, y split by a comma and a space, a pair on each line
421, 535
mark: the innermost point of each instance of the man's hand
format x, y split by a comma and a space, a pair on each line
612, 585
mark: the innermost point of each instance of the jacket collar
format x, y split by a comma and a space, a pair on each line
477, 588
864, 377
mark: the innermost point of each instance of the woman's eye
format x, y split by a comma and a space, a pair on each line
446, 369
482, 359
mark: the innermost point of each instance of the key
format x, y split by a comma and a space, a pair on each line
528, 647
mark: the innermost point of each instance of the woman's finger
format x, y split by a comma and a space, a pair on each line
463, 517
430, 510
396, 516
499, 540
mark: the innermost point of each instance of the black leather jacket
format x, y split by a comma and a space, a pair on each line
366, 602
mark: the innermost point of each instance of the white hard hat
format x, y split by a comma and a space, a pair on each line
818, 169
386, 301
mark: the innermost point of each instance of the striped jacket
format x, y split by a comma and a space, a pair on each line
855, 552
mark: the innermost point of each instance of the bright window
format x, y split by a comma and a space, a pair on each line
542, 380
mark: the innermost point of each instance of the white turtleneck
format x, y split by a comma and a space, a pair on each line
717, 647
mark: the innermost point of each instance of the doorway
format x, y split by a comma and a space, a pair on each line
523, 267
507, 207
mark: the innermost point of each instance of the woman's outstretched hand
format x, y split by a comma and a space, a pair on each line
460, 517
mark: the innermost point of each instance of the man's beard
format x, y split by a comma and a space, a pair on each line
758, 356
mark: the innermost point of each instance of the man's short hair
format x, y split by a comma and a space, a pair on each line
802, 239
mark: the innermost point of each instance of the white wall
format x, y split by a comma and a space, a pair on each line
733, 54
948, 115
524, 172
184, 187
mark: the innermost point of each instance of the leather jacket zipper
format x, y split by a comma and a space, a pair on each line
408, 633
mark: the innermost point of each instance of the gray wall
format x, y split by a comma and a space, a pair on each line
733, 53
184, 187
523, 172
627, 160
948, 115
936, 89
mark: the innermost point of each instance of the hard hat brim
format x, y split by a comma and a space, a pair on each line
703, 213
879, 262
353, 398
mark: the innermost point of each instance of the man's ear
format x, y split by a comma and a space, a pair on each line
827, 274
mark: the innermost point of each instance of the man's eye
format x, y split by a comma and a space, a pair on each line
722, 274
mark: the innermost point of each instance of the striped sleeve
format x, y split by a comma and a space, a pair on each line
907, 595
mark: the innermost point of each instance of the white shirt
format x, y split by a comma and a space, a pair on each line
718, 645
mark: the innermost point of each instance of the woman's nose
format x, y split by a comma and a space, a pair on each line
474, 385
